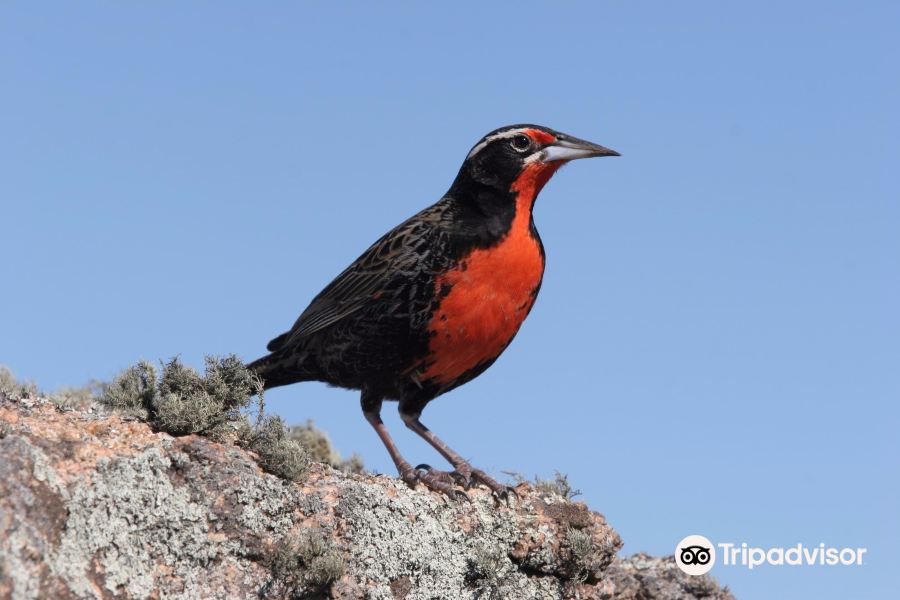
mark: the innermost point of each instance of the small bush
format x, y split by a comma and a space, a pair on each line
67, 397
581, 559
278, 454
133, 391
320, 449
558, 486
14, 389
181, 401
190, 403
354, 464
184, 414
485, 572
64, 397
231, 382
307, 563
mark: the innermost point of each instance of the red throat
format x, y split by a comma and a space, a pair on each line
530, 182
491, 291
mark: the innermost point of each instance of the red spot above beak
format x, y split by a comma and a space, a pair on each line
541, 137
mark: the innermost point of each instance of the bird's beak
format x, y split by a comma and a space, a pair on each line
569, 148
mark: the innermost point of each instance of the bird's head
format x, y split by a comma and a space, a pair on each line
517, 158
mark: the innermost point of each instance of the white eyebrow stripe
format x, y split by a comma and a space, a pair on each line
497, 136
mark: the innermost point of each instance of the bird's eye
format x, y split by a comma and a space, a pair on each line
521, 142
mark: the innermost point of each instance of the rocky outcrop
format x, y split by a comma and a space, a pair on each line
97, 505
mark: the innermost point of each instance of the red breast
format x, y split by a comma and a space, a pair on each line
491, 292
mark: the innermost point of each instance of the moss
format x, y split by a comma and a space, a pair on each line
278, 454
5, 429
306, 564
320, 448
15, 389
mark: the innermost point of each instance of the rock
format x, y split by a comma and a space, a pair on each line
94, 505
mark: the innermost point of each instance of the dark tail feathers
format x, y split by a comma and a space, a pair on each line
278, 343
277, 369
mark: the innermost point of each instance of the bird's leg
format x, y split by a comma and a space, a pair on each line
371, 406
465, 473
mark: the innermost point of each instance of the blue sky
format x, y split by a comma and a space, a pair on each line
715, 348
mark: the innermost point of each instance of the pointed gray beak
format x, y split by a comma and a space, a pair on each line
568, 148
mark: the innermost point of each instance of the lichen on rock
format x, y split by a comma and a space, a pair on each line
96, 504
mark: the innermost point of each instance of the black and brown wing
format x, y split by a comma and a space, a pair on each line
369, 318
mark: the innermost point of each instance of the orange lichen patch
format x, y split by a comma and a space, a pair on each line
491, 292
8, 416
98, 428
85, 444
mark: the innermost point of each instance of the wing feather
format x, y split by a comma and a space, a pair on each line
399, 252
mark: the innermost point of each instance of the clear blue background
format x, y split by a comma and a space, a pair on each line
715, 349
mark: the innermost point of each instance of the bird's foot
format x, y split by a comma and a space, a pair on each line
466, 475
433, 479
500, 490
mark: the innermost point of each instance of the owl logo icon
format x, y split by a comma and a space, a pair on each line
695, 555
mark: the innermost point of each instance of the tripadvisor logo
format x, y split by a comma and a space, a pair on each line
696, 555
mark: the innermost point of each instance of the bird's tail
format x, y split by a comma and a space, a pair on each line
279, 368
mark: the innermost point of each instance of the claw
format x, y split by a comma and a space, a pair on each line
489, 481
505, 494
461, 479
409, 475
439, 482
461, 495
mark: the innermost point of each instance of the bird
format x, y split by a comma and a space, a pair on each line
437, 299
